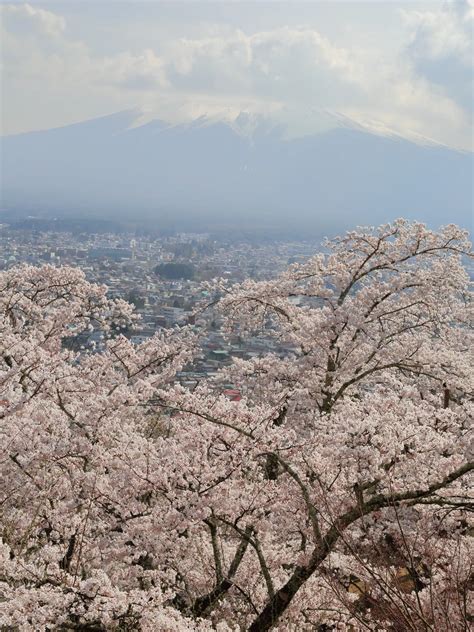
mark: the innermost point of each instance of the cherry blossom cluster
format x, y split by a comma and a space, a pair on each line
336, 494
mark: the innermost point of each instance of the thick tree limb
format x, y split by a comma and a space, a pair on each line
276, 607
203, 604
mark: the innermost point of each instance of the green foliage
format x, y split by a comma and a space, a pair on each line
173, 271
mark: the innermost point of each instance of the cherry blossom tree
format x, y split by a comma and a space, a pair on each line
333, 495
77, 463
349, 460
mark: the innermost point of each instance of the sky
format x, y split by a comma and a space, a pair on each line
401, 68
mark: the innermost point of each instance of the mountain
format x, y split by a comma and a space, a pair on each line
211, 173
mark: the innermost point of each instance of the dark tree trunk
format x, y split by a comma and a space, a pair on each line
271, 467
446, 396
277, 606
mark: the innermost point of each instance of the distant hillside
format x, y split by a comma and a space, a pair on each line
208, 174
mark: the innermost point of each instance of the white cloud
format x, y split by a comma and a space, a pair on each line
25, 19
441, 34
441, 49
140, 72
285, 63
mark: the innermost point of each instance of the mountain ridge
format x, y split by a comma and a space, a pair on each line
218, 171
